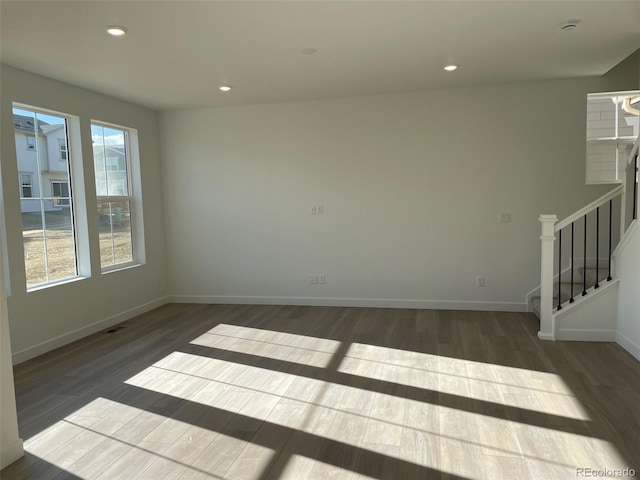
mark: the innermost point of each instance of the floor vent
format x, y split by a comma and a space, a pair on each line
114, 329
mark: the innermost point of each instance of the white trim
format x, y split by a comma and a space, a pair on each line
583, 335
626, 238
10, 453
545, 336
581, 300
59, 341
576, 317
350, 302
592, 206
628, 344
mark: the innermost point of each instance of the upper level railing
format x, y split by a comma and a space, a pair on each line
589, 234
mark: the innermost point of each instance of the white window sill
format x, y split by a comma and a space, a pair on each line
42, 286
121, 266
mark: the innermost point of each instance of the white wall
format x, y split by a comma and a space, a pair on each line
412, 186
10, 443
626, 75
628, 271
43, 319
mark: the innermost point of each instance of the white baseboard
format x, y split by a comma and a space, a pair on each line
629, 345
10, 453
580, 335
545, 336
351, 302
59, 341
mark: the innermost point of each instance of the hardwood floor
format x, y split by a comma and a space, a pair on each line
269, 392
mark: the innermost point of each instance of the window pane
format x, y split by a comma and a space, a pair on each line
628, 118
601, 162
63, 150
97, 134
49, 248
109, 156
601, 117
26, 185
47, 218
612, 120
115, 233
60, 193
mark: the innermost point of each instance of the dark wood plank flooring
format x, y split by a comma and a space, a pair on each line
274, 392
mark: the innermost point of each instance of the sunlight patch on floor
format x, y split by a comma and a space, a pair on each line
416, 412
306, 350
364, 418
514, 387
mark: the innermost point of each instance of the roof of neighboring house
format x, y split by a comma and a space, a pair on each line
117, 149
22, 123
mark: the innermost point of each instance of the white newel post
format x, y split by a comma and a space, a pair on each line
547, 330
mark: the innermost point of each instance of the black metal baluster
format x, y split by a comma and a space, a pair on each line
584, 260
597, 247
571, 300
559, 268
610, 230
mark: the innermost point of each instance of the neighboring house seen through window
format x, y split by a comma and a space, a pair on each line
112, 161
612, 129
56, 242
48, 223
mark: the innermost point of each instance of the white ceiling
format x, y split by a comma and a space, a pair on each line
177, 52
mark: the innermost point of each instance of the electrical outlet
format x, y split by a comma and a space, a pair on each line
505, 218
314, 210
313, 279
320, 209
479, 281
322, 279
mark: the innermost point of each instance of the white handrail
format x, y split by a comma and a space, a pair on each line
592, 206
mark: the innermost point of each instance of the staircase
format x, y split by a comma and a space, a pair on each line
590, 274
577, 296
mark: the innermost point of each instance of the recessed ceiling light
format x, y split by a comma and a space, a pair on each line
569, 25
116, 30
450, 68
309, 51
225, 88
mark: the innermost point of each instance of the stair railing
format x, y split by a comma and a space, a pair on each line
589, 242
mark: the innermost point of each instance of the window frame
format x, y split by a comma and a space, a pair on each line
133, 199
30, 147
23, 185
616, 139
60, 199
63, 150
74, 174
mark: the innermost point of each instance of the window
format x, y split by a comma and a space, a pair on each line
612, 128
60, 192
48, 230
31, 142
26, 185
63, 149
112, 162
